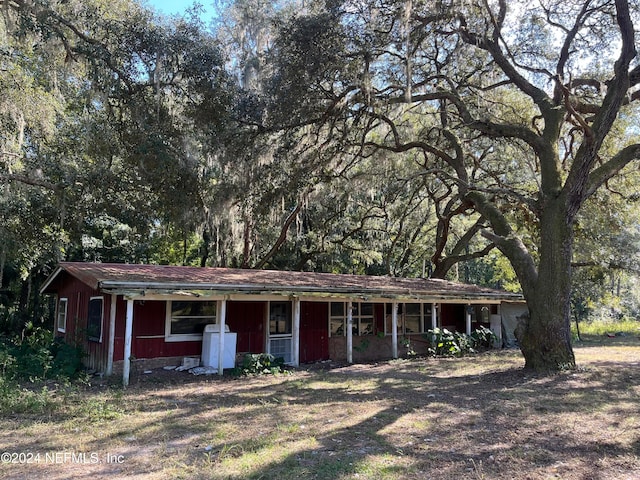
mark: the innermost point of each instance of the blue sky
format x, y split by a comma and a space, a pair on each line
170, 7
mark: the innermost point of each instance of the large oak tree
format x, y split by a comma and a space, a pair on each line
516, 106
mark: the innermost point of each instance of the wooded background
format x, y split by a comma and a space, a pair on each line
490, 142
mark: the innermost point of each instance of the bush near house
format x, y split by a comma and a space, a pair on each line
445, 343
27, 364
260, 364
38, 355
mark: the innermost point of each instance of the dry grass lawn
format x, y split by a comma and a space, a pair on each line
478, 417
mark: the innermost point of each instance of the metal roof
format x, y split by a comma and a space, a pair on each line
133, 279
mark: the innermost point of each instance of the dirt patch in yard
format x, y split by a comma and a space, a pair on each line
479, 417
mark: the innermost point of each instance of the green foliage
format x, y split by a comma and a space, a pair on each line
482, 339
38, 355
14, 399
625, 327
260, 364
99, 409
445, 343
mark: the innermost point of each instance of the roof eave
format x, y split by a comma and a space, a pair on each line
50, 280
142, 288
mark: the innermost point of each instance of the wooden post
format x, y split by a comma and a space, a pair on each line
295, 341
222, 322
128, 330
468, 319
112, 334
434, 316
394, 329
349, 332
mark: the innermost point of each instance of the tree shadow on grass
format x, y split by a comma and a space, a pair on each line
401, 420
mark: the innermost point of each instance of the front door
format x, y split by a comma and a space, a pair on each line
314, 331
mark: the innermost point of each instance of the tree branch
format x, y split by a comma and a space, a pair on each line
610, 168
35, 182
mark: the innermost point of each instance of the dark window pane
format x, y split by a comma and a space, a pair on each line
94, 320
337, 309
190, 317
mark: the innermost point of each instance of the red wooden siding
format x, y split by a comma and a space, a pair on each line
247, 320
314, 332
149, 319
78, 295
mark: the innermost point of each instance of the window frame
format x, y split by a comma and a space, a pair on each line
276, 321
185, 337
62, 300
424, 318
358, 319
90, 337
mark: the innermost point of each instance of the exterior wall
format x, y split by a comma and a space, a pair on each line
78, 295
372, 347
379, 346
148, 340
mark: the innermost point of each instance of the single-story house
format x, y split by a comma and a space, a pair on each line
122, 312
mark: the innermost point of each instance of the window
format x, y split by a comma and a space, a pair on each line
280, 330
94, 319
186, 319
279, 318
61, 319
337, 318
362, 315
281, 348
412, 318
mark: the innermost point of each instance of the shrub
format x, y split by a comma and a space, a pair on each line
482, 339
260, 364
445, 343
38, 355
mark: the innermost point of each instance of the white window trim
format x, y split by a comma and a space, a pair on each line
62, 300
182, 337
95, 339
356, 319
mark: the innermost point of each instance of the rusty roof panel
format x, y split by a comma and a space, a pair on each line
113, 276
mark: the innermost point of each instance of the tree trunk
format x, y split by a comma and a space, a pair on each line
545, 337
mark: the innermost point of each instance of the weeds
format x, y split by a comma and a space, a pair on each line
602, 327
37, 355
26, 362
15, 399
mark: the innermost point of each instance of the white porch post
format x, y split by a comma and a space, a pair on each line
222, 322
468, 319
394, 329
434, 316
112, 334
349, 332
295, 341
128, 330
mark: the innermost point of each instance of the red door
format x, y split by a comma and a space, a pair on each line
314, 331
247, 320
